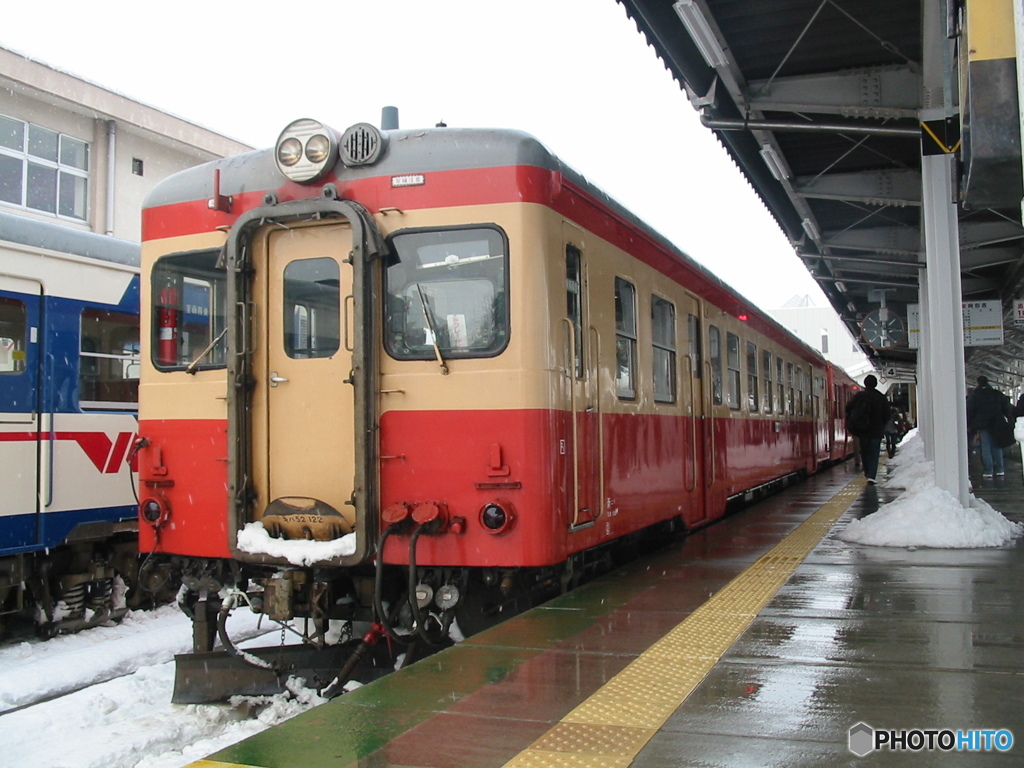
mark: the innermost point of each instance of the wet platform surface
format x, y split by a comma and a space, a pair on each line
607, 675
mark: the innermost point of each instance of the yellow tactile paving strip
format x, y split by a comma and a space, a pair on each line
611, 727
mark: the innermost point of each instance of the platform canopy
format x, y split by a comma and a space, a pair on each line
820, 102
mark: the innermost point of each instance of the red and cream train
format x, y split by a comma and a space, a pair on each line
446, 347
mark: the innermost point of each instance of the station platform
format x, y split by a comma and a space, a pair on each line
759, 641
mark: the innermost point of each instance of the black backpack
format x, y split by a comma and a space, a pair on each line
858, 421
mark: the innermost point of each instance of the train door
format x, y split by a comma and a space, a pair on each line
694, 384
21, 426
585, 448
303, 428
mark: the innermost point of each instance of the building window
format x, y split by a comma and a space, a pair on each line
663, 343
43, 170
625, 339
752, 393
824, 341
733, 361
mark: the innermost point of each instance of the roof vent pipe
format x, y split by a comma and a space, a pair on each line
389, 119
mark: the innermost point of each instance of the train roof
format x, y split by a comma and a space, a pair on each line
59, 238
443, 149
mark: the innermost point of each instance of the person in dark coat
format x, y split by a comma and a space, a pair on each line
893, 432
866, 416
985, 406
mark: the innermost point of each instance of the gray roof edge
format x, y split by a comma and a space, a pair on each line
51, 236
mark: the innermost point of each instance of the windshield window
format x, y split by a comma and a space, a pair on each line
189, 298
449, 288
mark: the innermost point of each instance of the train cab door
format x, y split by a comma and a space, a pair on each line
303, 426
23, 443
584, 443
695, 384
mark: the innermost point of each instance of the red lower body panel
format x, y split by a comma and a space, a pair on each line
562, 492
185, 466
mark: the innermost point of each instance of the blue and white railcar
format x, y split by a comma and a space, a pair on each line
69, 343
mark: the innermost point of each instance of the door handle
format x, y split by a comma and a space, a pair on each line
275, 379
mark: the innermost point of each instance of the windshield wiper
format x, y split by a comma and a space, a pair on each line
194, 365
433, 333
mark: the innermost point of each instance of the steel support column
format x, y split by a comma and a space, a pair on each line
943, 332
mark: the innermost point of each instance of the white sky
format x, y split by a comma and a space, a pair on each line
574, 73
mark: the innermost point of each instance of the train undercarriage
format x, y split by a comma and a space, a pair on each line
361, 623
77, 586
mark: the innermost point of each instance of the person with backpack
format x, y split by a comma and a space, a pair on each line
866, 417
988, 411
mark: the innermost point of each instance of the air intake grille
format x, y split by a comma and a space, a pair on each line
361, 144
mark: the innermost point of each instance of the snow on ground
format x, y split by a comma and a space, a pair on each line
924, 515
127, 721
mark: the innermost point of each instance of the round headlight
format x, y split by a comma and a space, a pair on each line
153, 512
289, 152
306, 151
318, 148
497, 517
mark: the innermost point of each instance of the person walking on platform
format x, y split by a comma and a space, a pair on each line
866, 417
893, 432
988, 409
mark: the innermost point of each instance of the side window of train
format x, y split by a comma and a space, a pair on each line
753, 397
780, 381
696, 348
447, 293
715, 359
108, 374
790, 391
768, 403
189, 301
13, 327
625, 339
732, 342
799, 391
574, 302
663, 345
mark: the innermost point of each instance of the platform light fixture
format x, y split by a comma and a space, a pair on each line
811, 229
774, 162
696, 23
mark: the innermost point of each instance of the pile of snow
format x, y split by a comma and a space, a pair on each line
255, 540
925, 515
